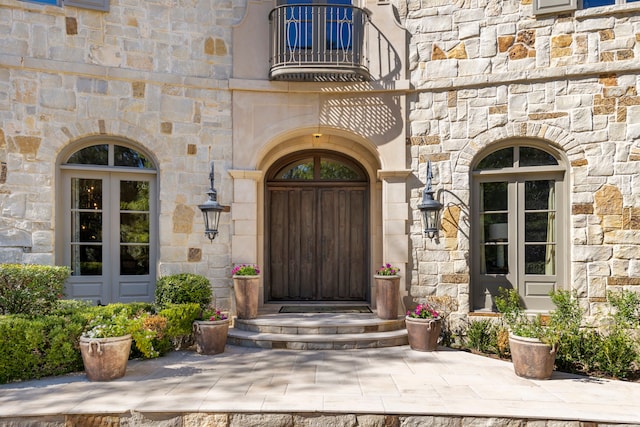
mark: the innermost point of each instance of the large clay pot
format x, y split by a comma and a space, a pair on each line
423, 334
247, 291
387, 291
105, 358
532, 358
211, 336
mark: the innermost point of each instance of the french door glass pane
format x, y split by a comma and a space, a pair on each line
86, 227
124, 156
596, 3
134, 227
339, 25
536, 259
494, 196
299, 25
134, 195
530, 156
94, 155
497, 160
134, 260
86, 260
494, 223
540, 227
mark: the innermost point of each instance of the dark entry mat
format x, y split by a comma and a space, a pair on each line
325, 309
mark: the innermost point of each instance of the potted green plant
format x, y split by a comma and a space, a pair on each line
387, 281
107, 341
210, 331
532, 343
246, 287
424, 325
105, 347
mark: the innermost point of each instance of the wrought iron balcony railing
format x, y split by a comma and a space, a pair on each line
313, 42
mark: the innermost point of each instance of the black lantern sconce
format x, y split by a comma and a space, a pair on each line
429, 208
211, 210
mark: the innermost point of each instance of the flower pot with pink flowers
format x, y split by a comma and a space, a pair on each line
387, 280
246, 287
424, 325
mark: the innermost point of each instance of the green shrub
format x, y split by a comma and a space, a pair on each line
481, 336
183, 288
627, 308
34, 348
49, 345
616, 353
609, 351
30, 289
180, 319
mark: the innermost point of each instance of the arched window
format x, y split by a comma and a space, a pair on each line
519, 212
107, 217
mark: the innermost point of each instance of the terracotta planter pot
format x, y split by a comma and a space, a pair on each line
532, 358
105, 358
387, 291
423, 334
247, 291
210, 336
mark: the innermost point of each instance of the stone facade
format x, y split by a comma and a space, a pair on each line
187, 82
490, 71
153, 73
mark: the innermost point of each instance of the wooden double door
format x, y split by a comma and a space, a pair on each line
317, 237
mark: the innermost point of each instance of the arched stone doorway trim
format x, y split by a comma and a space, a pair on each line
248, 173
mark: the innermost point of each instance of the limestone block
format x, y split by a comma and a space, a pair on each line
622, 267
441, 69
629, 252
595, 234
598, 269
201, 419
608, 201
591, 253
183, 219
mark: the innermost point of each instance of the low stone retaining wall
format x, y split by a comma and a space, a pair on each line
132, 419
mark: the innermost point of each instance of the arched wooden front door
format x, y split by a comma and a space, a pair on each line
317, 240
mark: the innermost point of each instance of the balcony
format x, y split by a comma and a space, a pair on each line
313, 42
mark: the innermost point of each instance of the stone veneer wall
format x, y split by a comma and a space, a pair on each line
155, 72
489, 70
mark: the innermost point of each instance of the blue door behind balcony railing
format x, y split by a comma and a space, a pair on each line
306, 34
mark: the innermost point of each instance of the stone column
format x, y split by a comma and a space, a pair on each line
245, 239
395, 214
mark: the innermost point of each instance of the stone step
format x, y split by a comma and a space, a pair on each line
313, 331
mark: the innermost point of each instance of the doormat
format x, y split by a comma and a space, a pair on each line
325, 309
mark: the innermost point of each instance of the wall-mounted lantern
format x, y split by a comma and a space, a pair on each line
429, 208
211, 210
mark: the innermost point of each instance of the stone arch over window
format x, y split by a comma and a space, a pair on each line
557, 138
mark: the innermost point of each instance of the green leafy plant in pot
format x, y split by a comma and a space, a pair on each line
533, 343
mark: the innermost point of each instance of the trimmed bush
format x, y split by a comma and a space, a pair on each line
35, 348
31, 289
180, 319
48, 345
183, 288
